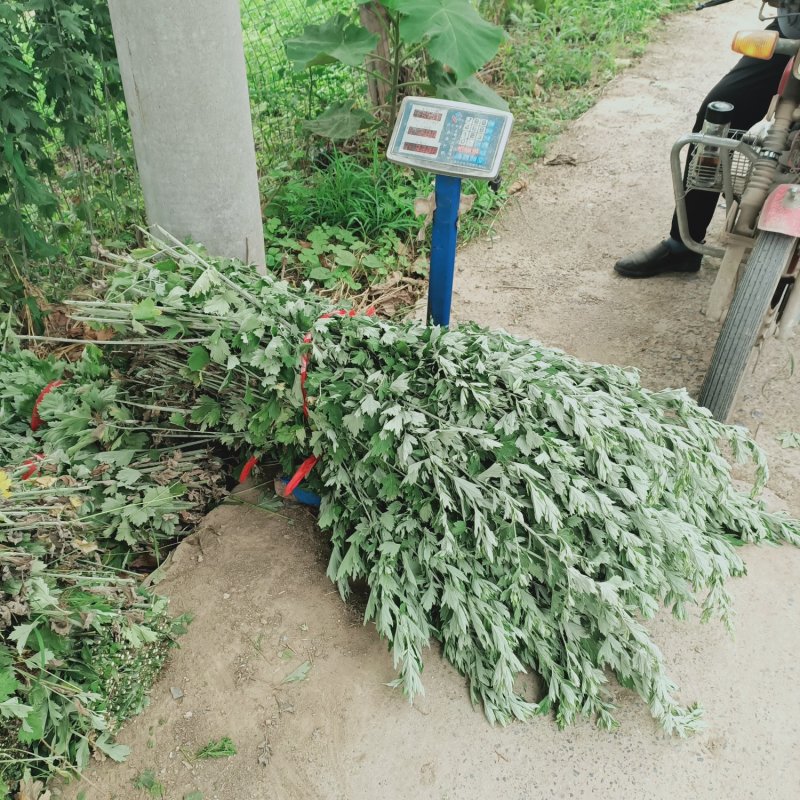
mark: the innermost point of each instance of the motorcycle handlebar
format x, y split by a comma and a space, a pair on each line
710, 4
787, 47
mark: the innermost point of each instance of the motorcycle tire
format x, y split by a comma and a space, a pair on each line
769, 259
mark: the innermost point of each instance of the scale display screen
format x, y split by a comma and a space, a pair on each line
450, 138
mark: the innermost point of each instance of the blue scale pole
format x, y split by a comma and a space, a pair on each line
443, 265
443, 249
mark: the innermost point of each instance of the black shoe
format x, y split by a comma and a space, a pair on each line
657, 260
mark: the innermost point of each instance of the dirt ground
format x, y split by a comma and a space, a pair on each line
263, 607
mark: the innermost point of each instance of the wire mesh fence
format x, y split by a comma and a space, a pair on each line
280, 98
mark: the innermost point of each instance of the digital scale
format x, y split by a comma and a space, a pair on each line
454, 141
449, 138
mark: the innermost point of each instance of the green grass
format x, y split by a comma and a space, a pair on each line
346, 220
361, 192
560, 52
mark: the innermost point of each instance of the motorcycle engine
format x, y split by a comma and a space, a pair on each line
790, 160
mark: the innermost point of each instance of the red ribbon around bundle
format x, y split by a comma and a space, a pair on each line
33, 466
306, 357
300, 475
247, 469
306, 467
36, 420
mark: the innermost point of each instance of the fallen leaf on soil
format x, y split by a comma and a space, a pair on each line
84, 546
789, 439
300, 674
264, 753
561, 160
30, 789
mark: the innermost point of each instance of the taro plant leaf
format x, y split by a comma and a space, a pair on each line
335, 40
455, 32
340, 121
467, 90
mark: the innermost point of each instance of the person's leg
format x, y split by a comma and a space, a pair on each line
749, 86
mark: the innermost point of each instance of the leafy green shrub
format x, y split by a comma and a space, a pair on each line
65, 157
350, 219
433, 48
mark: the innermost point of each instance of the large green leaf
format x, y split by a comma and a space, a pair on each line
468, 90
456, 33
340, 121
335, 40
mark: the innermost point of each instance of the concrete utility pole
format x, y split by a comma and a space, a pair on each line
183, 71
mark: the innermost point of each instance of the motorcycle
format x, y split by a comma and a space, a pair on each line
756, 290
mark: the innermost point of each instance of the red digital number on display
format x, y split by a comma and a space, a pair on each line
433, 115
424, 132
415, 147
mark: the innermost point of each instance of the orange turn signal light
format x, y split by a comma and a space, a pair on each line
756, 44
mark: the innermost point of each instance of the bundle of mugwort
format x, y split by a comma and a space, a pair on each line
88, 487
529, 511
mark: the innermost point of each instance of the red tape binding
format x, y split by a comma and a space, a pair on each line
247, 469
36, 420
300, 475
33, 466
305, 360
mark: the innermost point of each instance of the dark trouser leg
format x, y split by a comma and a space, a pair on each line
750, 86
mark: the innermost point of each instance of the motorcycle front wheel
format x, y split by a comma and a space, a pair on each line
769, 259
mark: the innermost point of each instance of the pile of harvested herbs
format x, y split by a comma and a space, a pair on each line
528, 511
92, 493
